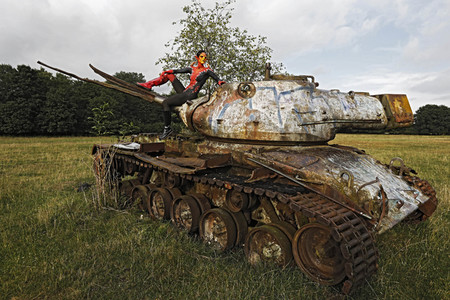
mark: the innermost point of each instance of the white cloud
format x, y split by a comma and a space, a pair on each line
298, 26
118, 35
421, 88
427, 24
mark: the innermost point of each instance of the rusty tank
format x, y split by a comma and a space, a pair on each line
257, 170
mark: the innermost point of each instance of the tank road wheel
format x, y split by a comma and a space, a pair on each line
318, 254
186, 213
269, 244
217, 227
171, 180
150, 187
126, 187
202, 201
174, 192
139, 196
160, 203
287, 228
241, 227
237, 201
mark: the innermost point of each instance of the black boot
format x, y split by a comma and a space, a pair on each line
167, 131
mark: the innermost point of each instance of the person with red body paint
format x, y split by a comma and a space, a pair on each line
199, 71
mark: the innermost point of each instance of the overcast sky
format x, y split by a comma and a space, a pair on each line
383, 46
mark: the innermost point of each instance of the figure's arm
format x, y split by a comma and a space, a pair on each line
215, 77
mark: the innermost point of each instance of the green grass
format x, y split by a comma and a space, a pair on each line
54, 244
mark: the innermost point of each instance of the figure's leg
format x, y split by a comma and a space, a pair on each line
175, 100
177, 85
159, 81
167, 116
167, 121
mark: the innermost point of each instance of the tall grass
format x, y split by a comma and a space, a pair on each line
55, 244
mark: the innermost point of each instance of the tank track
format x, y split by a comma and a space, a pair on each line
357, 244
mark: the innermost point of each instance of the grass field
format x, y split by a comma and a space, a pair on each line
54, 243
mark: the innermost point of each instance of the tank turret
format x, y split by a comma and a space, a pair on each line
291, 110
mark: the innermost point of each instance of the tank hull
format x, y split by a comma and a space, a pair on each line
316, 206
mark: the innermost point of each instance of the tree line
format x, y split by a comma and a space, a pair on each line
36, 102
430, 119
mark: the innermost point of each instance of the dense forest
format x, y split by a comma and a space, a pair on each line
36, 102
